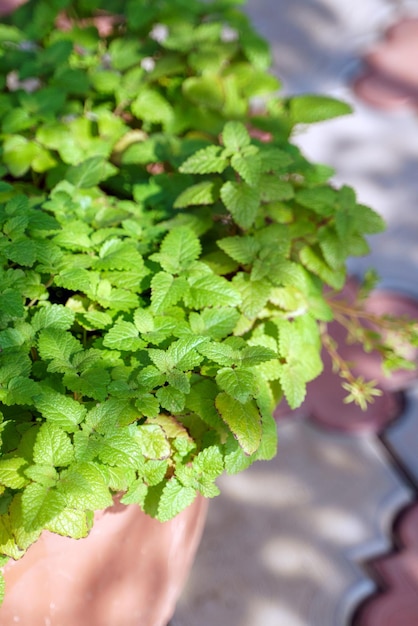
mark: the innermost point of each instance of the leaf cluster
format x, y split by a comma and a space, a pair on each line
164, 249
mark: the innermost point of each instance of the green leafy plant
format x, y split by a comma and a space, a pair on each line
164, 250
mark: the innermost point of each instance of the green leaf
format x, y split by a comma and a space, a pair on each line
57, 345
178, 250
152, 106
147, 405
307, 109
40, 504
241, 249
53, 316
319, 199
82, 487
90, 172
254, 294
11, 303
69, 523
171, 399
292, 380
202, 193
215, 323
22, 251
53, 446
166, 291
12, 472
63, 411
235, 137
248, 166
204, 90
153, 442
208, 160
220, 353
174, 499
242, 201
368, 221
316, 264
243, 419
123, 336
116, 254
239, 383
209, 290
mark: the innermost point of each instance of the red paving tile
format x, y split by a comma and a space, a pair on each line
390, 76
397, 605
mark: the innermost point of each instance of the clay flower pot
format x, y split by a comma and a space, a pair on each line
130, 570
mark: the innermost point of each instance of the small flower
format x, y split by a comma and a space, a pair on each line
148, 64
361, 392
229, 34
159, 33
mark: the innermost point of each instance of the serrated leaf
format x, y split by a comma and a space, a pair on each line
166, 291
151, 106
248, 166
174, 499
368, 222
292, 380
40, 504
144, 321
239, 383
171, 399
57, 345
21, 390
316, 264
53, 316
63, 411
11, 303
243, 419
183, 352
82, 487
90, 172
308, 108
121, 448
209, 290
69, 523
220, 353
115, 254
22, 251
242, 201
319, 199
136, 493
254, 294
147, 405
209, 462
12, 472
203, 193
123, 336
178, 250
215, 323
254, 355
93, 382
235, 136
208, 160
241, 249
153, 441
52, 446
179, 380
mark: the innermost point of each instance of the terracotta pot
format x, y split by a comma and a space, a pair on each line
129, 571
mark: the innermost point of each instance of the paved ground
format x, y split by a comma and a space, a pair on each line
303, 540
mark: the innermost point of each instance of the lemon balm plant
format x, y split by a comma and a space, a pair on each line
164, 251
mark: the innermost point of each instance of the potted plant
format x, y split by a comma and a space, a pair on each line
165, 249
